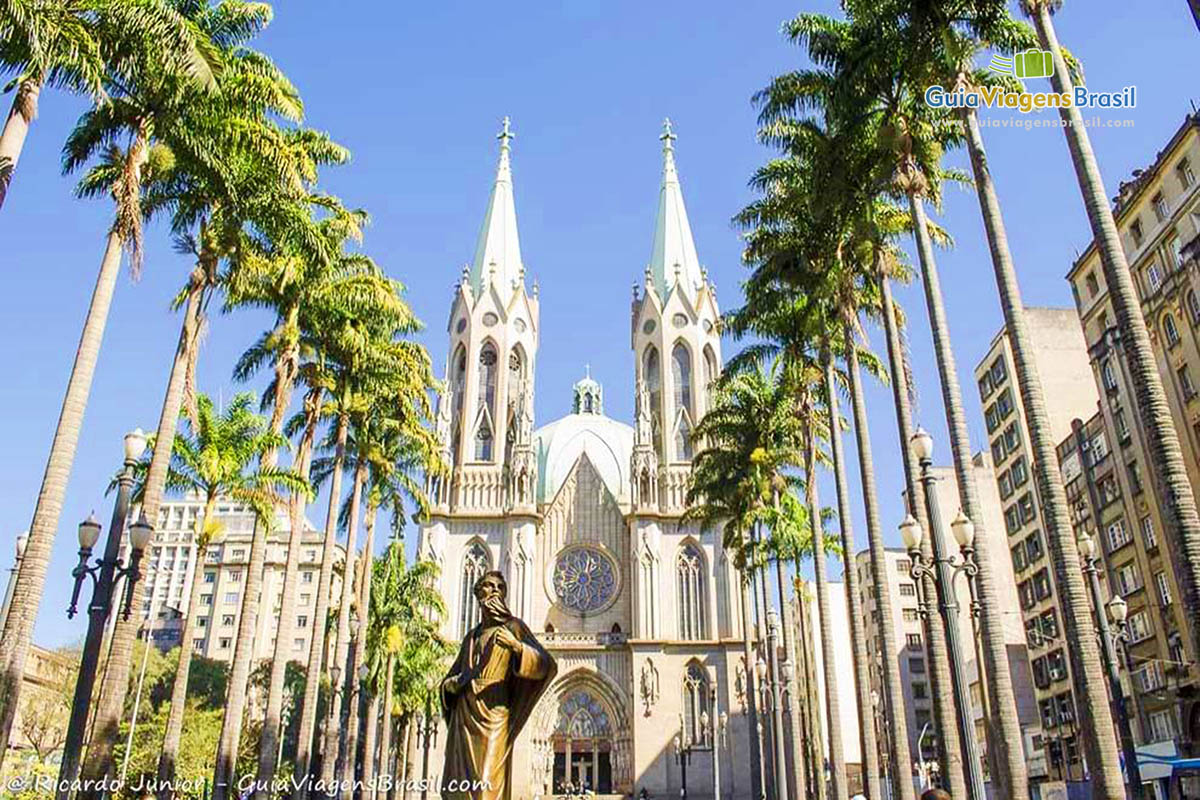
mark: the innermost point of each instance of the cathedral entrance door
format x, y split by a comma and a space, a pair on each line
582, 747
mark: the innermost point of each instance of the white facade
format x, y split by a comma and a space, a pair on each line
583, 516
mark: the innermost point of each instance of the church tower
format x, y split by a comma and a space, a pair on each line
677, 351
485, 414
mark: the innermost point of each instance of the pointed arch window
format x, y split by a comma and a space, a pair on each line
485, 426
697, 716
692, 593
710, 368
1170, 330
652, 375
458, 384
476, 562
681, 377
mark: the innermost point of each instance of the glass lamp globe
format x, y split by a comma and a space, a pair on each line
140, 533
1118, 609
135, 444
1087, 546
911, 533
963, 530
89, 532
922, 444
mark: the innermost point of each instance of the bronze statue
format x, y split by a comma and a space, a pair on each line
495, 682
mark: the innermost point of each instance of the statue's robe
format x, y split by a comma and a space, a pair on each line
498, 690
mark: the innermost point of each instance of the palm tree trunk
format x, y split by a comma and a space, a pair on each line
833, 714
174, 730
858, 640
1166, 459
792, 761
950, 756
316, 648
385, 744
370, 740
29, 582
360, 646
893, 689
239, 671
1004, 731
406, 766
756, 791
268, 748
16, 128
1194, 5
333, 727
110, 703
761, 604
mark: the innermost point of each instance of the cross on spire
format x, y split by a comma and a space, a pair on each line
667, 136
506, 135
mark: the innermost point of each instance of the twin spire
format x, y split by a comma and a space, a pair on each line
672, 259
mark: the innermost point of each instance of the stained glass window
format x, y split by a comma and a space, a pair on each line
689, 576
475, 563
584, 580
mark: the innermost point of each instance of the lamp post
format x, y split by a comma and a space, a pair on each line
945, 569
22, 540
779, 757
717, 733
1118, 610
683, 757
104, 574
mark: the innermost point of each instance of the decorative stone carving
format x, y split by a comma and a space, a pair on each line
739, 682
649, 685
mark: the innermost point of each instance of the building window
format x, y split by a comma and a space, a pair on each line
919, 690
1164, 587
1041, 584
1163, 725
1183, 171
1018, 558
1004, 405
1134, 470
210, 577
1012, 438
235, 576
1154, 276
908, 590
1028, 511
1033, 547
903, 566
206, 599
1176, 251
1160, 207
302, 621
910, 615
485, 423
201, 622
1107, 375
689, 578
1170, 331
1012, 519
999, 371
985, 386
1056, 666
681, 377
297, 645
476, 562
652, 375
223, 643
1128, 579
695, 705
1004, 483
227, 620
1149, 536
1019, 473
306, 576
1118, 535
305, 599
1139, 627
1185, 382
1135, 230
914, 641
916, 666
231, 597
1193, 307
1122, 425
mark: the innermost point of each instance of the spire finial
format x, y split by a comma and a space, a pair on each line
587, 370
667, 136
506, 135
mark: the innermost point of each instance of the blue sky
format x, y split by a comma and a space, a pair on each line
416, 91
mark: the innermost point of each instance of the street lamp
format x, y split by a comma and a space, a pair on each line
683, 757
103, 574
780, 749
22, 540
718, 733
944, 570
1118, 612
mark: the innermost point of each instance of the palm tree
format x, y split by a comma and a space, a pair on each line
154, 92
746, 434
361, 347
41, 41
296, 277
215, 458
1166, 458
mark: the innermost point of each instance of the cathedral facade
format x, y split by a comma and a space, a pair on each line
584, 517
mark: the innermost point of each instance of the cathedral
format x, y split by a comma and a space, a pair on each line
584, 517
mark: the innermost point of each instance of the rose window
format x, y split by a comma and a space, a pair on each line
584, 580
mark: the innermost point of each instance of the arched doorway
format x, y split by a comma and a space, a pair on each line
583, 746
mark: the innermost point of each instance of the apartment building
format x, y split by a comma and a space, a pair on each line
1061, 357
170, 567
1158, 216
